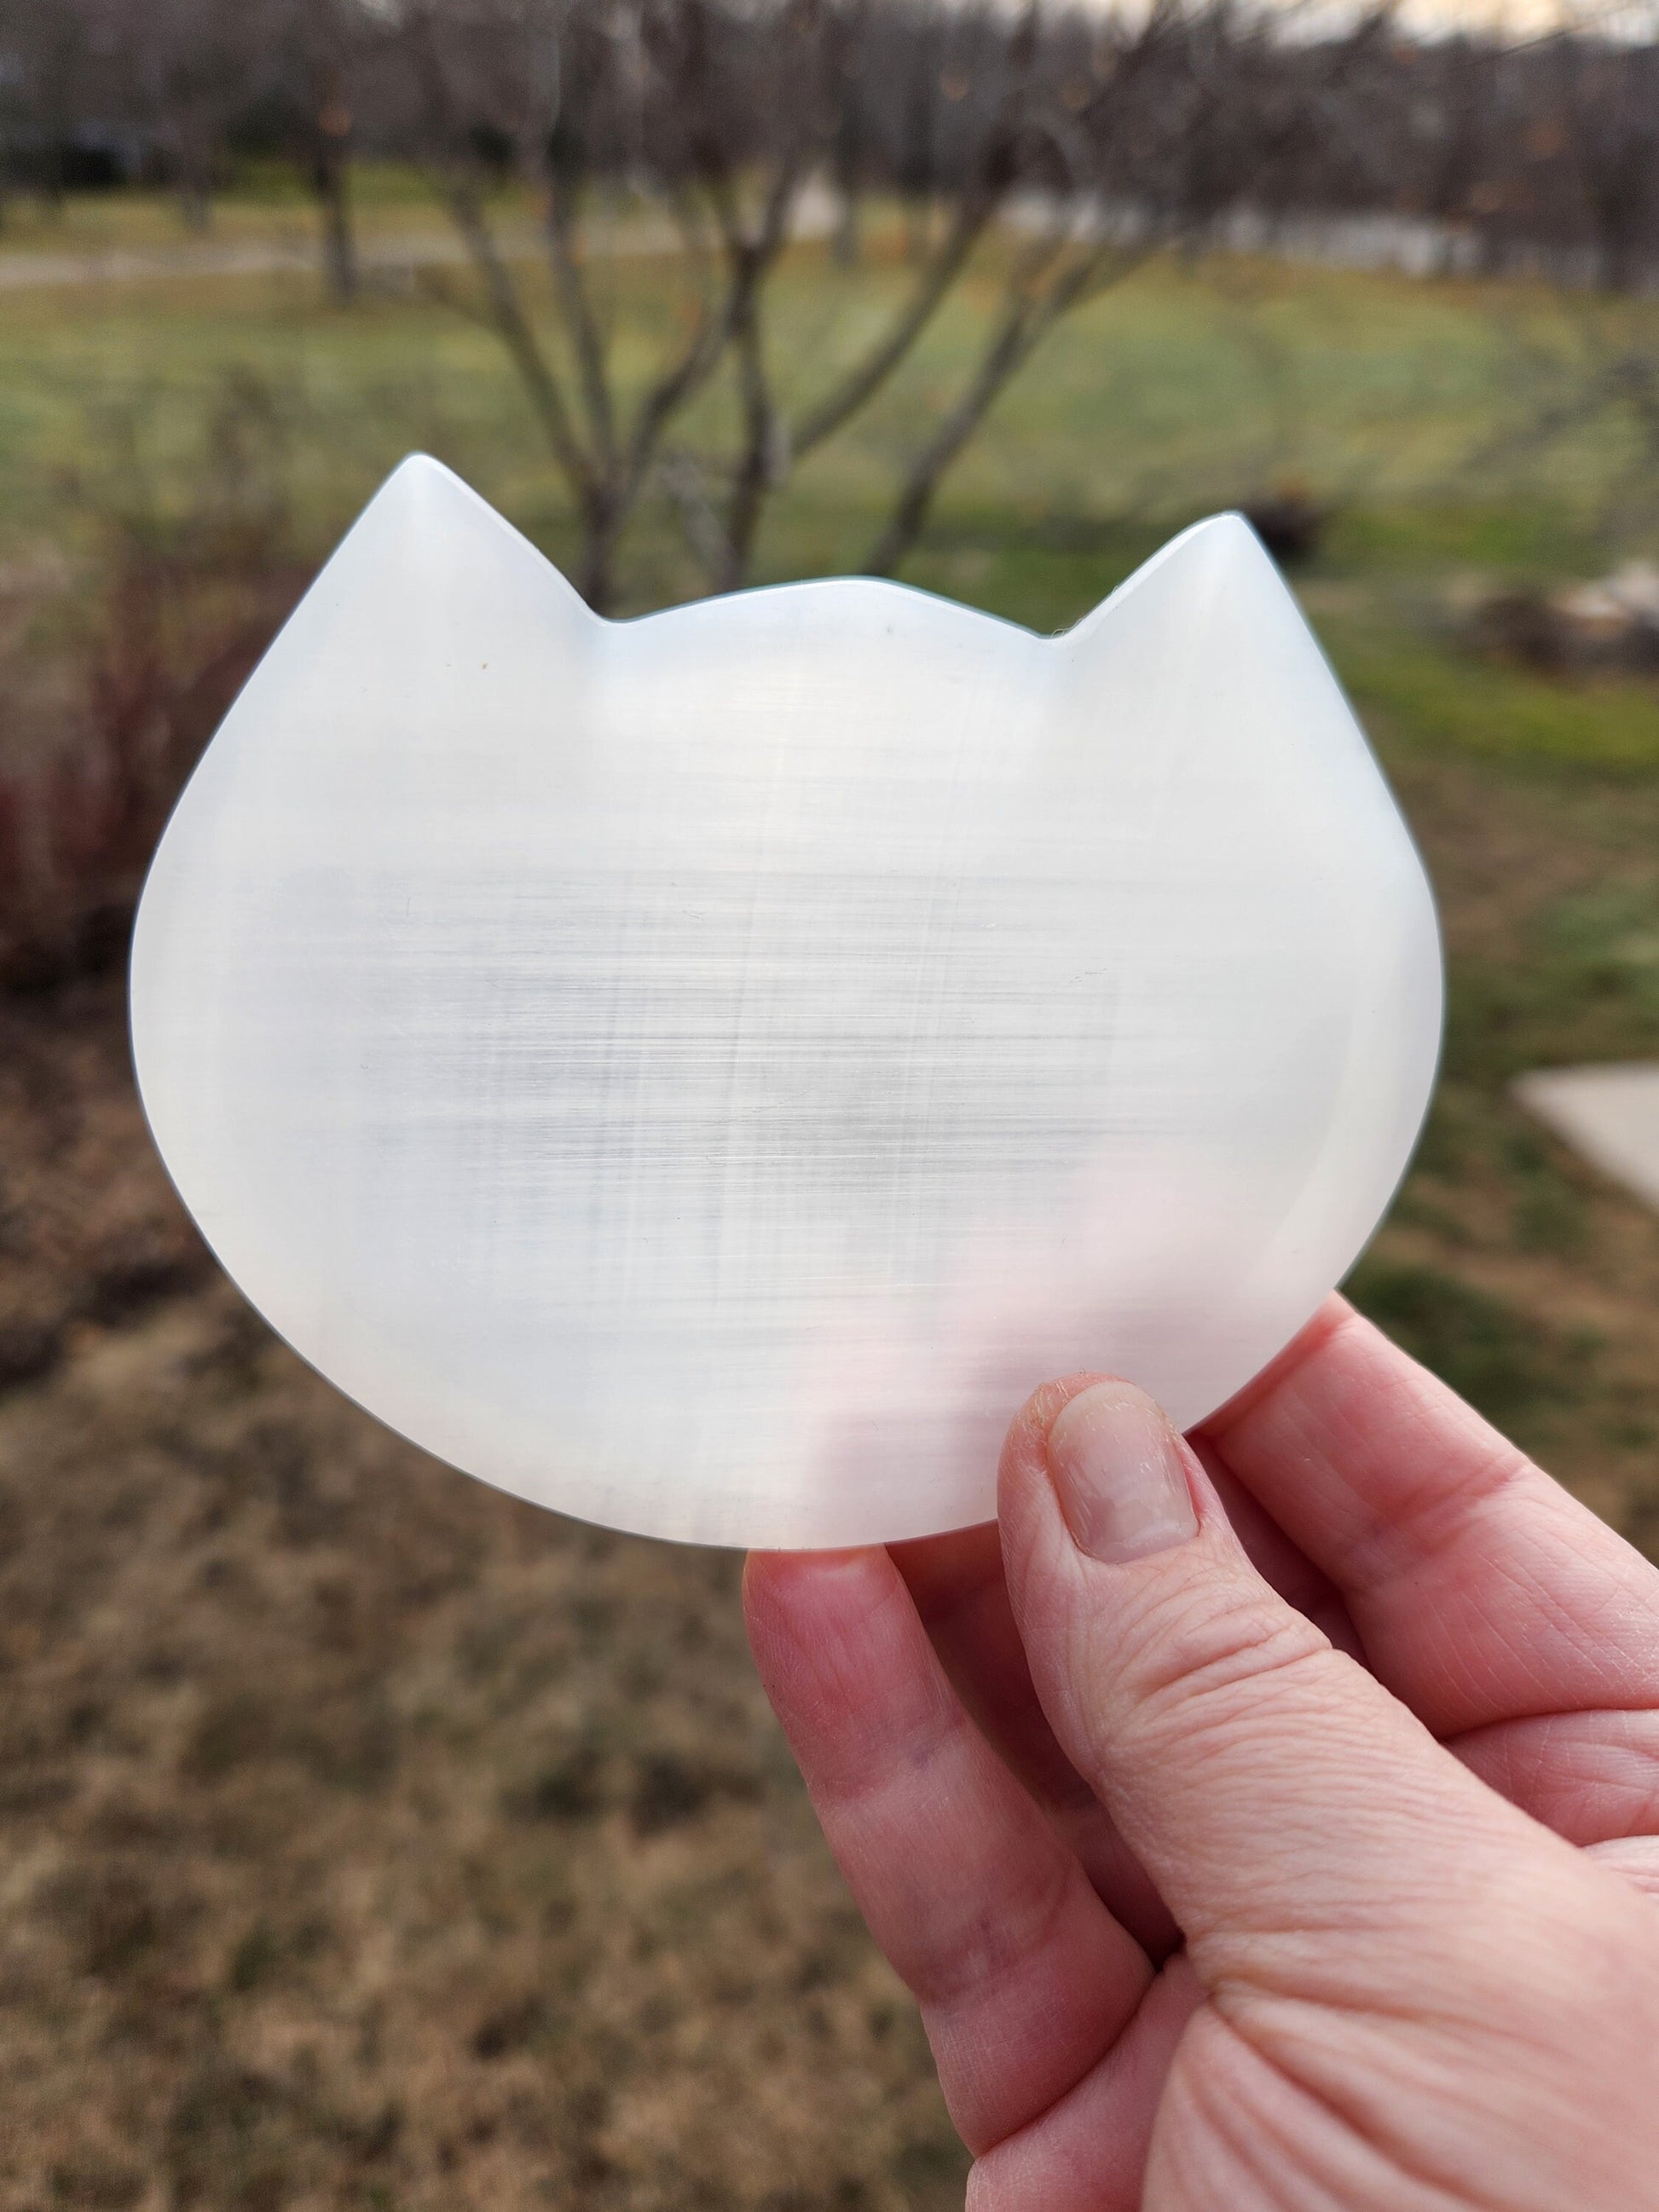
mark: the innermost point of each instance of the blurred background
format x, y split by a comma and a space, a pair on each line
371, 1840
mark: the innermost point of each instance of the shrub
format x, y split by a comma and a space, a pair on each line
186, 594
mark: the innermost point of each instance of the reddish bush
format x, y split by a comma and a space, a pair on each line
184, 605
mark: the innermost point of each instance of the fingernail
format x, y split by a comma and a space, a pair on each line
1119, 1473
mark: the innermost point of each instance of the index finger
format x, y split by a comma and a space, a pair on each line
1482, 1591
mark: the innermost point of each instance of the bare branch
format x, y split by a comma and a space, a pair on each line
460, 188
681, 476
932, 287
506, 312
587, 337
1025, 320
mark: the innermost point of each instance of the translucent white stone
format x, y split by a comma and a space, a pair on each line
702, 1072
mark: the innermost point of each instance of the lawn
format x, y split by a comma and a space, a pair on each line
379, 1842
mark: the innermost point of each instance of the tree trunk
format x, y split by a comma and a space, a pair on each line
603, 516
846, 228
195, 187
1007, 350
331, 182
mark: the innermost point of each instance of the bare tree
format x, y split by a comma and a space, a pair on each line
189, 62
721, 125
1606, 121
849, 45
52, 79
1051, 150
722, 156
1122, 150
330, 33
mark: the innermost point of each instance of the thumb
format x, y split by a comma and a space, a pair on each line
1270, 1786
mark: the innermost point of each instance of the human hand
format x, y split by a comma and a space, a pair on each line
1270, 1821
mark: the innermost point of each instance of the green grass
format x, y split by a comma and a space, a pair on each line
1525, 1279
1432, 692
1503, 1362
1187, 389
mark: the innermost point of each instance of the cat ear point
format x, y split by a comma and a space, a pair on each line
423, 498
1212, 558
423, 488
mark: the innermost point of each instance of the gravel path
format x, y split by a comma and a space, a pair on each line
387, 258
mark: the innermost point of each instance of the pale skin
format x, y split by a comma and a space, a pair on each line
1267, 1820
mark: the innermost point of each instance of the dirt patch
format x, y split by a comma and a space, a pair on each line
375, 1839
90, 1231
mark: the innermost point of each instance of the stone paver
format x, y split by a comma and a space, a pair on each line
1609, 1115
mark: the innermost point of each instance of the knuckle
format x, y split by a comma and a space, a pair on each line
1203, 1656
986, 1946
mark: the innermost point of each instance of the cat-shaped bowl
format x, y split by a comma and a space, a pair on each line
702, 1072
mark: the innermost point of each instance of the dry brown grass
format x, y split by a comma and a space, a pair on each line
1548, 890
372, 1840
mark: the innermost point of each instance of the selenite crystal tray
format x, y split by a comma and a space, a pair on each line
702, 1072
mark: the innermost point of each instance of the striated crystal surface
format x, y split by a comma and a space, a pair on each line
702, 1072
